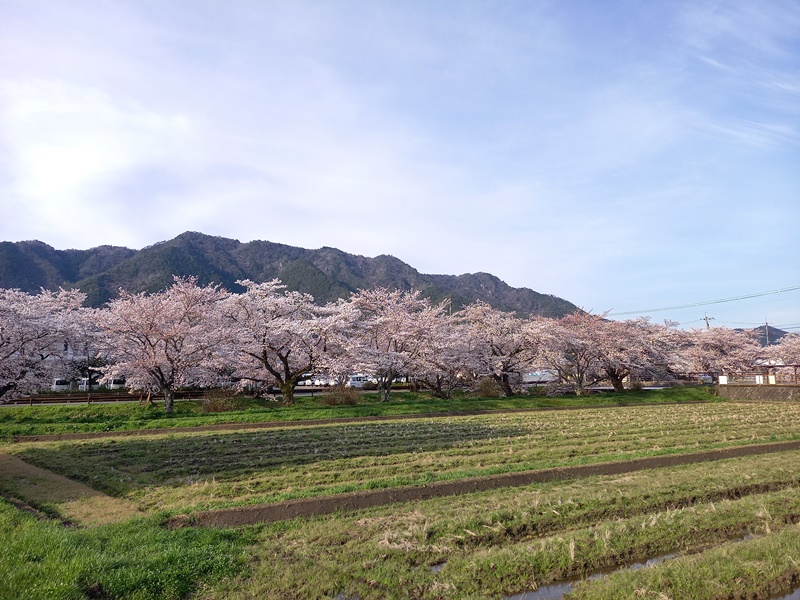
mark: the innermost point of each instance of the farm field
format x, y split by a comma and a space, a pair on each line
731, 521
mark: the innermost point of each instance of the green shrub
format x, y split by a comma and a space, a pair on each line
486, 387
220, 401
339, 395
537, 391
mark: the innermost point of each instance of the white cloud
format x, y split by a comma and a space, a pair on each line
69, 141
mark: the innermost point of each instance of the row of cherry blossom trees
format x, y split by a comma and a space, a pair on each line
268, 336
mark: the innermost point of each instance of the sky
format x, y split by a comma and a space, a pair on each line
627, 156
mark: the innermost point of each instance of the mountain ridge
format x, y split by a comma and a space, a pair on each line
326, 273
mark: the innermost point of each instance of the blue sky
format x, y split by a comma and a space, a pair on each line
623, 155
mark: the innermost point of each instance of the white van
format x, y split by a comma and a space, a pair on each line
83, 384
60, 385
357, 381
115, 384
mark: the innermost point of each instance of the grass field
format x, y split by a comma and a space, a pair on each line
731, 521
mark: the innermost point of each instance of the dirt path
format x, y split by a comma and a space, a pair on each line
74, 502
248, 515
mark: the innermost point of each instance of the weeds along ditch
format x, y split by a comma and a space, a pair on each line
184, 472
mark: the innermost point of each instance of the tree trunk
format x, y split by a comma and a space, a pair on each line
287, 389
4, 389
169, 400
505, 384
438, 389
385, 390
385, 379
616, 381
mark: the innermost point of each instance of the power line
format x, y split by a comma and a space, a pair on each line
695, 304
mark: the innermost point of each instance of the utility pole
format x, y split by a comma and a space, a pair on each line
707, 319
766, 330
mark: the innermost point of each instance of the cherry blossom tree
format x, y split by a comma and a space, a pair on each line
279, 336
586, 349
163, 341
87, 355
388, 332
35, 331
787, 350
718, 350
784, 356
569, 348
634, 347
444, 360
502, 345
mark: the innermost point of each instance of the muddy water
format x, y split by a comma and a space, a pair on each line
795, 595
558, 590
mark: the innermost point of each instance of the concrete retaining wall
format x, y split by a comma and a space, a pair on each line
759, 392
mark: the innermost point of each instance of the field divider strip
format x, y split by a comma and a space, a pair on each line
88, 435
353, 501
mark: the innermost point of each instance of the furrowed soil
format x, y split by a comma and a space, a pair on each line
241, 477
488, 506
507, 541
238, 516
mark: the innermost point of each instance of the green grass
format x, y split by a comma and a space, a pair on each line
137, 559
42, 420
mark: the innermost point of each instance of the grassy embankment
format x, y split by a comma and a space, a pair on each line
54, 419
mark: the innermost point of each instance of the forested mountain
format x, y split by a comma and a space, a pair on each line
768, 335
325, 273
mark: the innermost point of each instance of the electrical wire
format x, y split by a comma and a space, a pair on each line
707, 303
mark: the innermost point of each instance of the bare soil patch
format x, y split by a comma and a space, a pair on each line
75, 502
248, 515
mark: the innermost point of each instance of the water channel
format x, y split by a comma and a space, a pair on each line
557, 590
